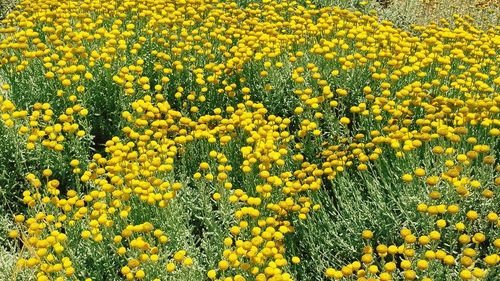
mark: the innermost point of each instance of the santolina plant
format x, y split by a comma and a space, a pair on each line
275, 140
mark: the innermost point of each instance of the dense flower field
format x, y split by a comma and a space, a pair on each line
267, 140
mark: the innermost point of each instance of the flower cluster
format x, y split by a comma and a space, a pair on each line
194, 139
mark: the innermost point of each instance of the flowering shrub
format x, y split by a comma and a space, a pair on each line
276, 140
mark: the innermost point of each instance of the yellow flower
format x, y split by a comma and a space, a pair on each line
171, 267
212, 274
345, 120
367, 234
465, 274
140, 274
407, 178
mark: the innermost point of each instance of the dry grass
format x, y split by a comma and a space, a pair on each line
6, 6
407, 12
